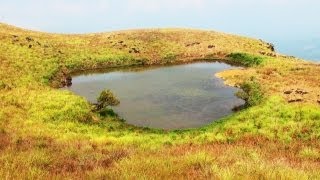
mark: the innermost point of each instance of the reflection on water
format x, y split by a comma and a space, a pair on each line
173, 97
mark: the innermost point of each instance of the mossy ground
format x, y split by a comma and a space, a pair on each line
46, 132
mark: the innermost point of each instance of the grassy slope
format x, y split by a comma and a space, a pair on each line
45, 131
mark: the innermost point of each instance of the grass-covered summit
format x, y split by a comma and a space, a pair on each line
46, 132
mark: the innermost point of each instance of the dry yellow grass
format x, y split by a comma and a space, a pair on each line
293, 79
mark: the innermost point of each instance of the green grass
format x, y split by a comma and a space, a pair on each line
46, 132
246, 59
250, 92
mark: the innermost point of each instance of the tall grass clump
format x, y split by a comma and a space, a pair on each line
250, 92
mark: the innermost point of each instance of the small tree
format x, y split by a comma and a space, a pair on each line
106, 99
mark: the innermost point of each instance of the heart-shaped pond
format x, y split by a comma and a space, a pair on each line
166, 97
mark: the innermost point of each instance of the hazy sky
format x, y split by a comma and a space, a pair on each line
279, 21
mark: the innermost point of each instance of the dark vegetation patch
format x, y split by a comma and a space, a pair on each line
192, 44
246, 59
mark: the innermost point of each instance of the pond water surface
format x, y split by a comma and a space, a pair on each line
167, 97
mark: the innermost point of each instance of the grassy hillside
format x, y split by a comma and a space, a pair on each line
46, 132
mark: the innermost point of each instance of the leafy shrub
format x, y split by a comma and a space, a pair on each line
107, 98
246, 59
